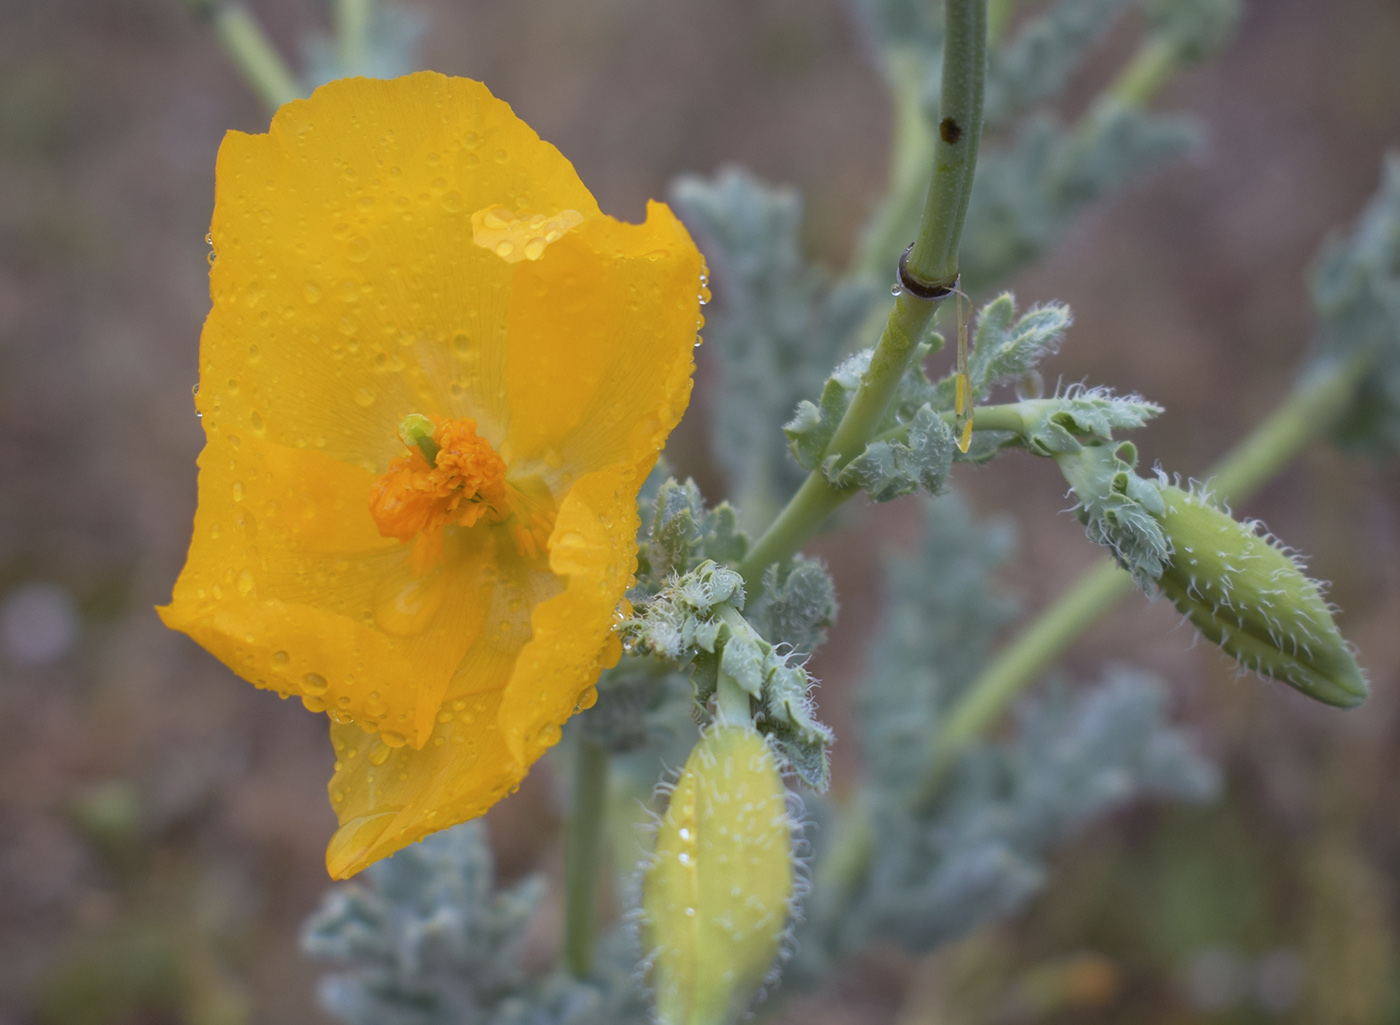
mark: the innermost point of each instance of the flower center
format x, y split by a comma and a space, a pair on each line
451, 477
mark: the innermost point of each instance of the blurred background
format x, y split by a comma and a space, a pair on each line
162, 824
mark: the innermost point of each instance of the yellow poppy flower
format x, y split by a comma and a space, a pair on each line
432, 382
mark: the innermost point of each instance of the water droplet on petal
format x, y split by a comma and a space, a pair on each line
379, 754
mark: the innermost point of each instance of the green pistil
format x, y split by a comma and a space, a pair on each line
416, 431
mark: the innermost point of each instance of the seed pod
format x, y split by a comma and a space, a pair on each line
1246, 594
717, 892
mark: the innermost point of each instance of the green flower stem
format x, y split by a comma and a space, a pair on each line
733, 703
253, 54
352, 21
1007, 417
1313, 408
583, 855
932, 262
934, 259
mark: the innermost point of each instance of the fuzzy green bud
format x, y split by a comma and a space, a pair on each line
1248, 595
717, 892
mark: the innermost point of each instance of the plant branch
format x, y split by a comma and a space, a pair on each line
252, 53
931, 267
583, 855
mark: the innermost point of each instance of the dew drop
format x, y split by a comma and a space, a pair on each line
254, 354
534, 248
314, 683
256, 422
379, 754
238, 491
280, 658
265, 216
245, 583
461, 344
364, 397
504, 249
393, 739
452, 202
313, 704
357, 249
896, 289
311, 293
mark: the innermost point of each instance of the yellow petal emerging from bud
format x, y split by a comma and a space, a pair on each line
716, 896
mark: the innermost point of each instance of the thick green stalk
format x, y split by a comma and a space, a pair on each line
253, 54
932, 264
934, 259
1311, 410
583, 855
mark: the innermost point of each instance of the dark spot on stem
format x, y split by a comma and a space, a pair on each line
950, 130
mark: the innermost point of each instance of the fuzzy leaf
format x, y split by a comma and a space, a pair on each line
1119, 509
1060, 425
1356, 292
682, 534
1038, 62
1007, 348
1196, 28
810, 430
795, 604
890, 469
777, 326
1025, 196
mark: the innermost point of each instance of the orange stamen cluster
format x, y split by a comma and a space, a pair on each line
465, 485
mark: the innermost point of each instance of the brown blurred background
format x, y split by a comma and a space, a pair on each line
162, 824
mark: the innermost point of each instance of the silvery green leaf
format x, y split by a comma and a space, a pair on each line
680, 619
1037, 62
1006, 347
1119, 509
789, 719
681, 534
942, 609
890, 469
1060, 425
810, 430
1356, 292
1196, 28
1026, 195
796, 604
776, 327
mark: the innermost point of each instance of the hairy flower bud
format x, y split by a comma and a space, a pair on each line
1248, 595
717, 892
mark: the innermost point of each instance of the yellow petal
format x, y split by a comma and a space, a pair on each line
361, 275
594, 327
289, 583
